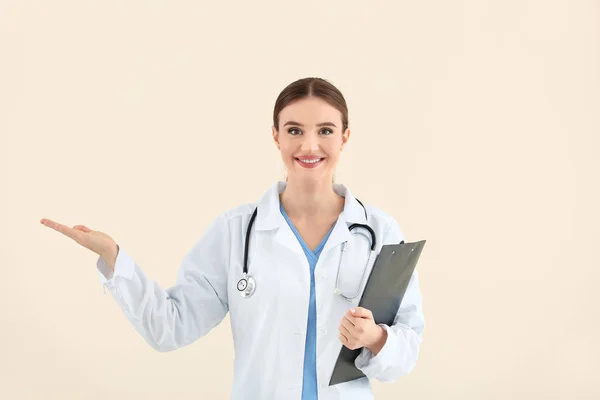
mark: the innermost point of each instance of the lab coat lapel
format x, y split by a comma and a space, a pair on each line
269, 217
286, 237
339, 234
352, 213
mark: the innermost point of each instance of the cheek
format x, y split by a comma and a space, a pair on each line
334, 151
287, 154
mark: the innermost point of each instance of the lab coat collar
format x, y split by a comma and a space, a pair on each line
269, 217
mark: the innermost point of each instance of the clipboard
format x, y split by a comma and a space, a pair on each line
383, 293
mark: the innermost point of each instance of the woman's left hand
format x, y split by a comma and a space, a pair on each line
358, 329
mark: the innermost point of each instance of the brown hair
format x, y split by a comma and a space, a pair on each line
307, 87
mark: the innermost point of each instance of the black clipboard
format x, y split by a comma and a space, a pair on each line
383, 293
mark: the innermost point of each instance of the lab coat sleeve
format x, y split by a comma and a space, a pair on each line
174, 317
399, 354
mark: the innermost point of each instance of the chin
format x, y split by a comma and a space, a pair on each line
309, 177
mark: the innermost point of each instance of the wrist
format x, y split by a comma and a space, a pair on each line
379, 341
111, 256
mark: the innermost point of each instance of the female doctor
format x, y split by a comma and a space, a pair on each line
293, 303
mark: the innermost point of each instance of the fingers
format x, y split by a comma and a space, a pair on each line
360, 312
348, 318
65, 230
51, 224
343, 338
55, 225
345, 329
355, 326
347, 324
82, 228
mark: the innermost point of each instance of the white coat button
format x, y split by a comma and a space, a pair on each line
323, 331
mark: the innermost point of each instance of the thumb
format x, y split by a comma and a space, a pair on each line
82, 228
360, 312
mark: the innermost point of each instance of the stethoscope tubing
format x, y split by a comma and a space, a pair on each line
247, 286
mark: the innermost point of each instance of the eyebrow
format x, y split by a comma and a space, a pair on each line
321, 124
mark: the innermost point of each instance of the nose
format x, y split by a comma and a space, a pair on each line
310, 142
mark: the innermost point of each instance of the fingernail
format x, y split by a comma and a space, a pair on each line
352, 310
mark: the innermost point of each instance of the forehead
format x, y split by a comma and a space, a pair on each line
310, 110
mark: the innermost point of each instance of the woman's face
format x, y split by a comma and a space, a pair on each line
310, 139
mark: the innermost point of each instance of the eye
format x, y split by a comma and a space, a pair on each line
325, 131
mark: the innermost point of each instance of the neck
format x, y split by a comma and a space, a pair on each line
308, 200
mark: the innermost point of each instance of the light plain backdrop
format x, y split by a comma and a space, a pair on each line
474, 123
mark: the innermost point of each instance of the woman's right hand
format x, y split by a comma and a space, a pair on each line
98, 242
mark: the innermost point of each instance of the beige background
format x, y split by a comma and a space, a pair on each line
474, 123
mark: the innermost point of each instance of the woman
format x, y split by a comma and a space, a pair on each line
288, 333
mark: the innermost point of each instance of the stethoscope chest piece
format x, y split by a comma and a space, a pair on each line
246, 286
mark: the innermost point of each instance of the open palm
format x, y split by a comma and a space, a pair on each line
98, 242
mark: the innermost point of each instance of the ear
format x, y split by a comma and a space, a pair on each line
345, 137
275, 136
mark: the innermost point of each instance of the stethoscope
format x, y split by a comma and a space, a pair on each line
247, 286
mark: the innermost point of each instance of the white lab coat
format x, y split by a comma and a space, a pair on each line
269, 328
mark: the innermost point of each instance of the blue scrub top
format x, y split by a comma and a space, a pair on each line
309, 383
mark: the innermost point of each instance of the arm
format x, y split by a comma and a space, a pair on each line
171, 318
401, 341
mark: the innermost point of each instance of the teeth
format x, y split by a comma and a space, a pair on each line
311, 161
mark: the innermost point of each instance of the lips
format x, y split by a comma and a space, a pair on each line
310, 162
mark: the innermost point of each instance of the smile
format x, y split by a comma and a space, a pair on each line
312, 163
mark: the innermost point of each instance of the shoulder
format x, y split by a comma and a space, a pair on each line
381, 216
225, 224
234, 218
389, 224
239, 212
